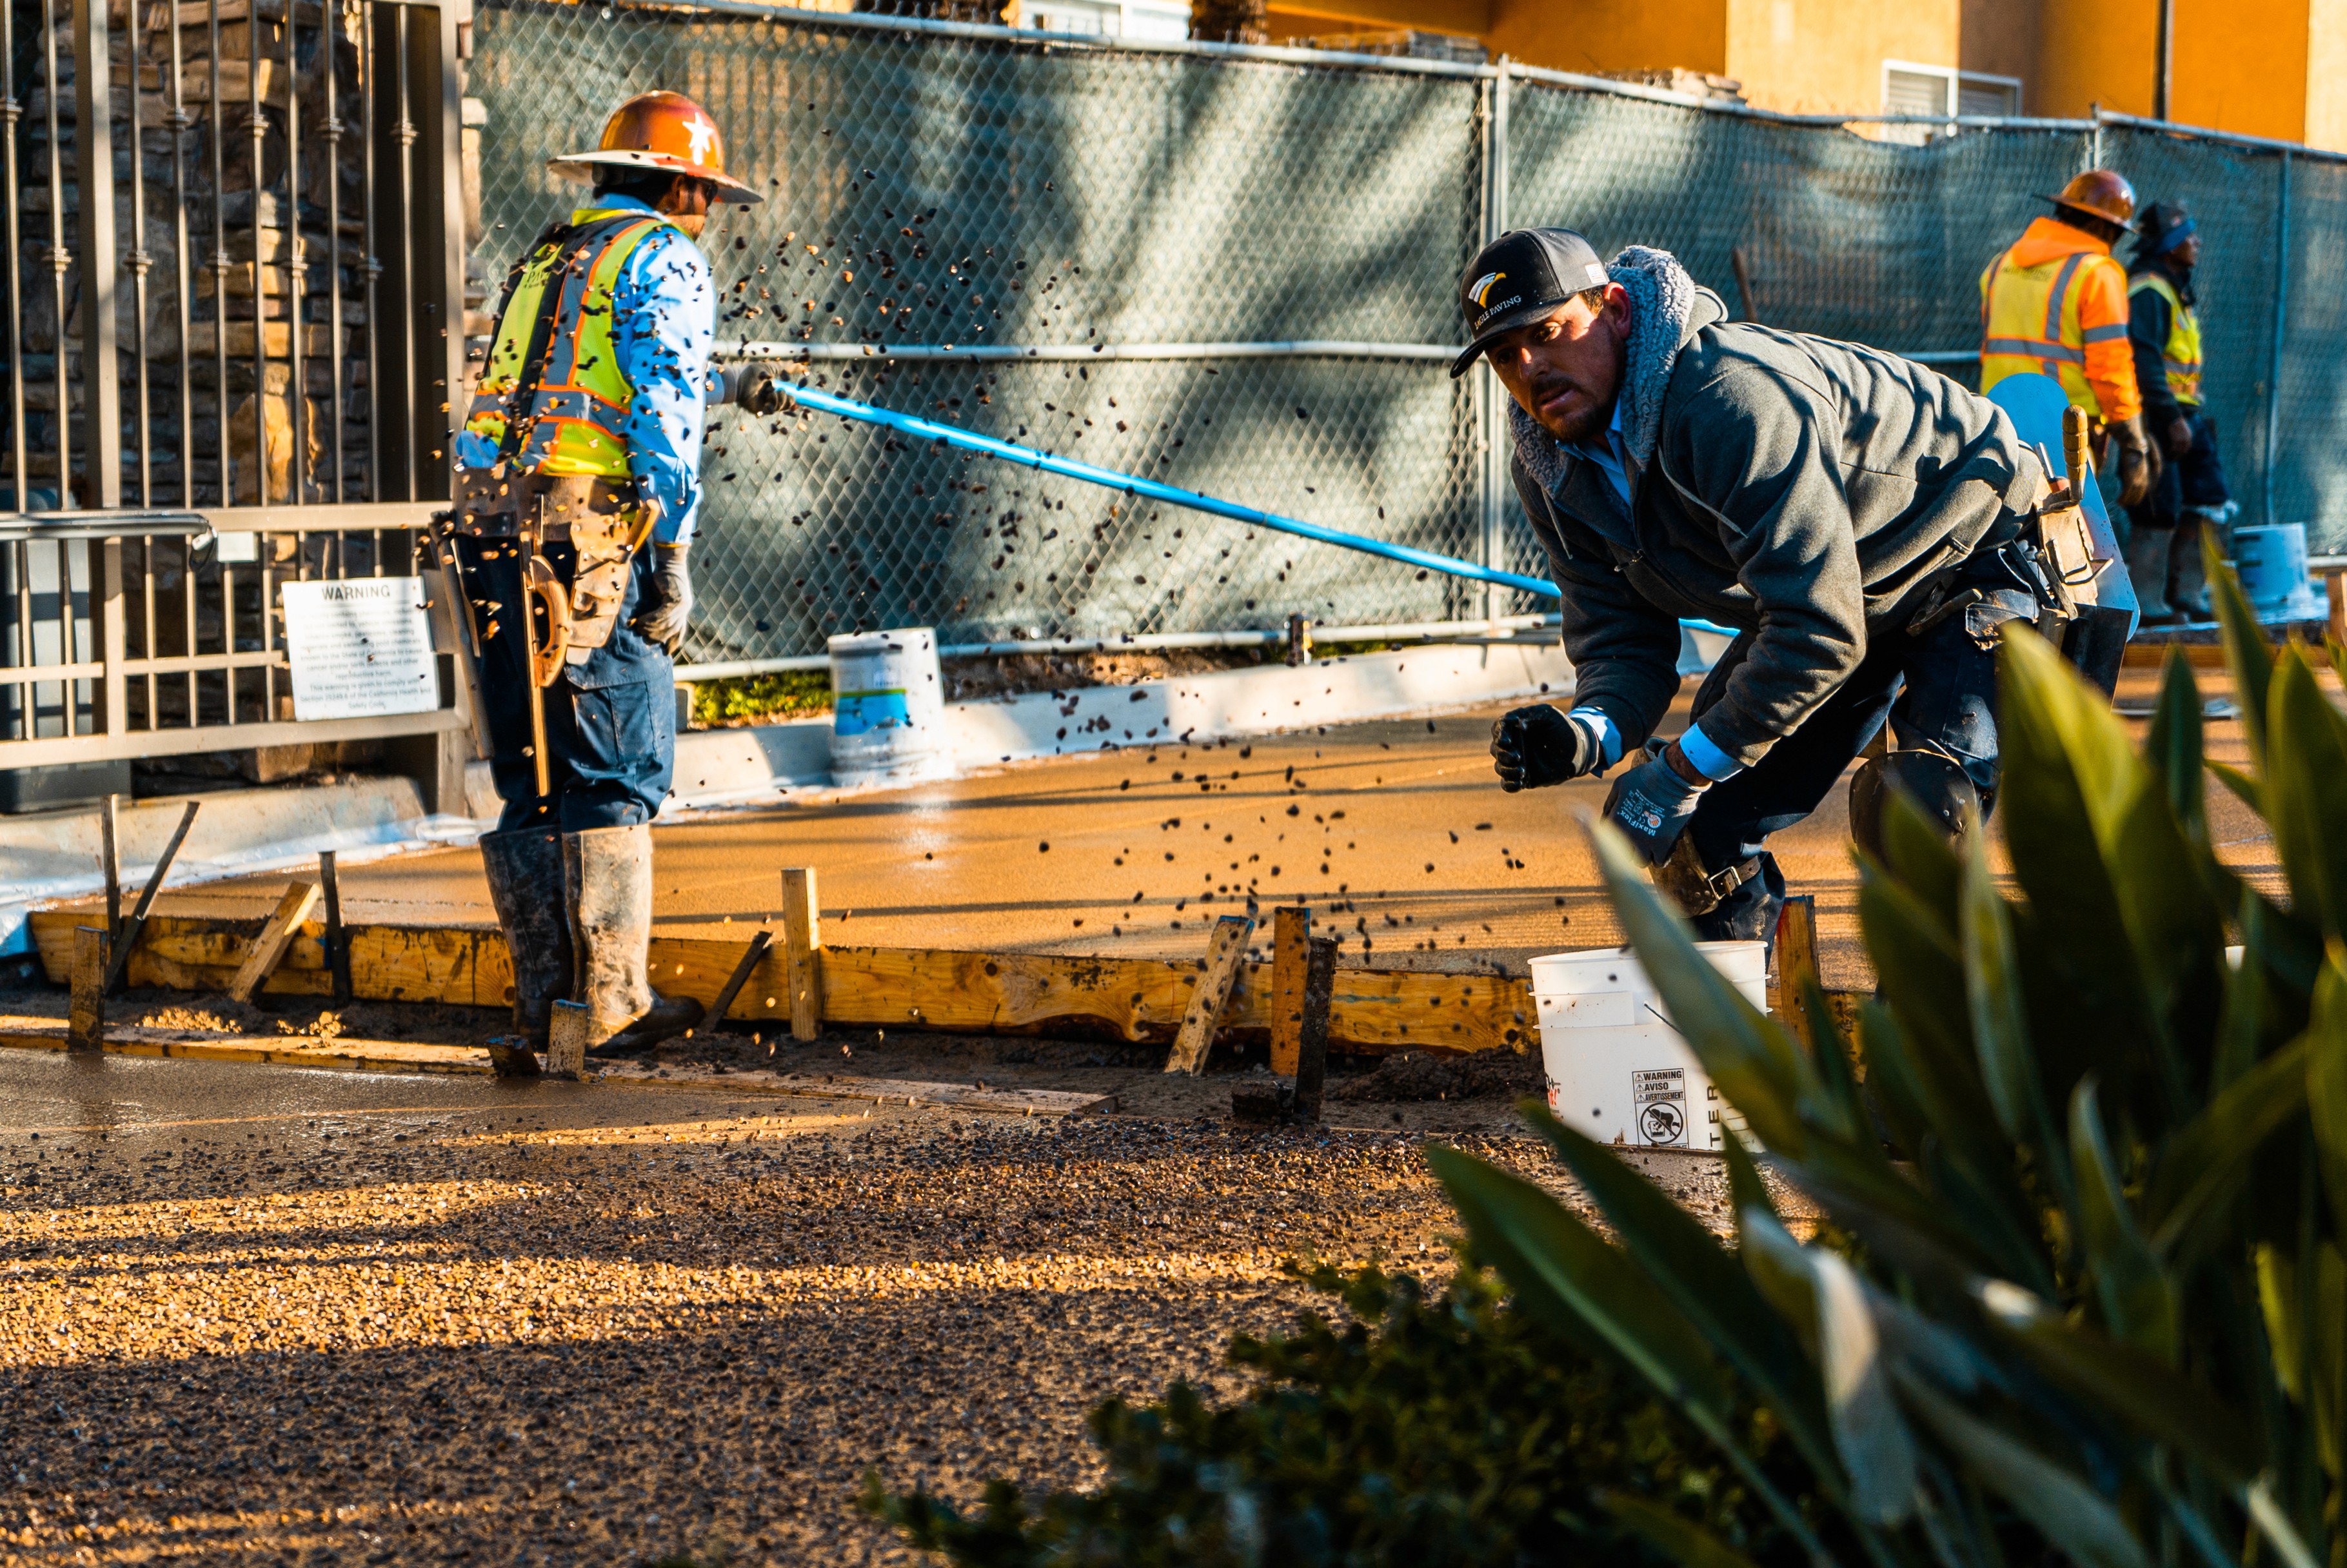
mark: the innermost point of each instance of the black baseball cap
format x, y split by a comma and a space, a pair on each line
1518, 277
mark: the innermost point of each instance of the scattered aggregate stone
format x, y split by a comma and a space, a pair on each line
1427, 1075
629, 1323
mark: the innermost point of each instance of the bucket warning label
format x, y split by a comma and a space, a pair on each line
1658, 1096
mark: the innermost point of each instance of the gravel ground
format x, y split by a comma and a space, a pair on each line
312, 1318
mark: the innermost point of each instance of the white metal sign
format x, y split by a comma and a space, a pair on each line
361, 648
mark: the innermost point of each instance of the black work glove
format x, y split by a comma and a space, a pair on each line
660, 617
1540, 745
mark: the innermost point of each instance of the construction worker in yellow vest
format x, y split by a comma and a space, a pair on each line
2163, 543
2055, 302
577, 486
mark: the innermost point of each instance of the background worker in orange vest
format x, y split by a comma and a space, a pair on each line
2055, 302
578, 485
2164, 546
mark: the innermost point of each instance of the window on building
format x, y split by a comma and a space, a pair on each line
1908, 88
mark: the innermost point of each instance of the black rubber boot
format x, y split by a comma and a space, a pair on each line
525, 870
609, 873
1749, 914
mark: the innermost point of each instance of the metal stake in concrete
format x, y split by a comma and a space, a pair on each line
120, 962
1312, 1050
338, 945
1291, 954
110, 853
86, 1023
802, 952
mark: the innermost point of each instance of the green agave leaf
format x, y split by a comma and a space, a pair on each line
1565, 1273
2001, 1024
1920, 970
2274, 1521
2208, 1163
2137, 1301
2174, 748
2247, 790
2069, 779
1688, 1265
2326, 1085
2072, 1516
2278, 1303
1916, 850
2306, 791
1817, 1290
1841, 1108
2246, 647
1679, 1540
2136, 1389
1755, 1068
1745, 1190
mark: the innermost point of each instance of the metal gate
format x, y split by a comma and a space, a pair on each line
235, 272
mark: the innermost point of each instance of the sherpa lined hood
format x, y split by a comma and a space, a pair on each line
1668, 308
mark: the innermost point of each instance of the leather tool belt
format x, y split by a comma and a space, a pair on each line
601, 519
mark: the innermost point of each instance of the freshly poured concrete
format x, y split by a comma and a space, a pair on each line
1136, 851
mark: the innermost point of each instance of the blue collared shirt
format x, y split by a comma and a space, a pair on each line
1610, 455
663, 324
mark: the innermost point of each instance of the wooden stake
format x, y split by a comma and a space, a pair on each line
86, 1020
802, 949
1225, 951
566, 1042
1312, 1050
275, 937
1291, 937
740, 977
1797, 965
2334, 593
110, 853
338, 945
130, 927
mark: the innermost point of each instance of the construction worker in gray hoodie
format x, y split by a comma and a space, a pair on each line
1859, 519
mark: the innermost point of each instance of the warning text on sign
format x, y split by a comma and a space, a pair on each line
359, 650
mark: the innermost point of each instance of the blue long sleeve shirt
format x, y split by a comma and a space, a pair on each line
663, 324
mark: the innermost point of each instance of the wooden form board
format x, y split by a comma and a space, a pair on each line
1373, 1011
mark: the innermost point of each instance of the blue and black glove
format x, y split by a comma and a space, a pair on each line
1540, 745
1652, 803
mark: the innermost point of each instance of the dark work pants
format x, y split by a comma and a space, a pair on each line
2195, 480
610, 721
1937, 692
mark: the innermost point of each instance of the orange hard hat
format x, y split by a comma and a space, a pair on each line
660, 130
2105, 194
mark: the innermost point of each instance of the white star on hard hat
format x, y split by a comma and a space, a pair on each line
703, 134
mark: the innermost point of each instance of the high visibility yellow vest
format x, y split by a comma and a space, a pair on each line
2029, 322
2181, 353
579, 414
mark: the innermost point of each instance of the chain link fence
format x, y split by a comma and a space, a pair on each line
936, 185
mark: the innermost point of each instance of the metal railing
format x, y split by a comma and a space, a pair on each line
234, 319
133, 637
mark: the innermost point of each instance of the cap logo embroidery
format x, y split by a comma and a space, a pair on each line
1481, 292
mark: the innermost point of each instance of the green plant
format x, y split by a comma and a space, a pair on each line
747, 699
2092, 1305
1415, 1429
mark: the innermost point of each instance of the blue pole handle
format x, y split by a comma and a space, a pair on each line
1133, 485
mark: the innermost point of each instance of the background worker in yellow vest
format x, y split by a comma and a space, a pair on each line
2164, 329
576, 488
2054, 303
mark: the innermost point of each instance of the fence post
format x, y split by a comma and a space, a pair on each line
101, 376
1491, 475
2273, 362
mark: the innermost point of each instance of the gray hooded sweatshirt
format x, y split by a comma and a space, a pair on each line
1798, 488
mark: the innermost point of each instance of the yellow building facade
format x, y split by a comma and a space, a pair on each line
2260, 68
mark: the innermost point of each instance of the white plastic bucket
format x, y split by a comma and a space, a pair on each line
888, 707
2271, 561
1617, 1071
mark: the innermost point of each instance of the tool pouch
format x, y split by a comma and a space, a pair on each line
1697, 891
600, 519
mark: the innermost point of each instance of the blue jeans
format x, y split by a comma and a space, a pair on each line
611, 719
1937, 690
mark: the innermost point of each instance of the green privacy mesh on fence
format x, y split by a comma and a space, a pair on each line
978, 188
